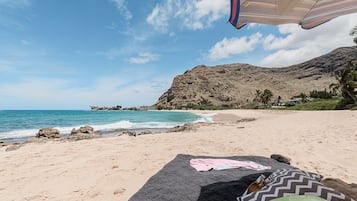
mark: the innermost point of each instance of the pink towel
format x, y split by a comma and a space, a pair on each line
206, 164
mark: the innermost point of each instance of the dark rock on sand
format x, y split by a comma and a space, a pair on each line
246, 120
48, 133
130, 133
3, 144
281, 158
84, 132
341, 186
185, 127
145, 132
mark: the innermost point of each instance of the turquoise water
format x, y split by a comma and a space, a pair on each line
26, 123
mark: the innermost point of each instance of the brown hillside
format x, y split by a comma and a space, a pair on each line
236, 84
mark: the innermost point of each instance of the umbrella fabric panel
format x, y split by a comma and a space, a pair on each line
307, 13
327, 10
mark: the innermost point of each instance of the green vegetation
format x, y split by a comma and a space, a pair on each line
263, 97
318, 104
347, 85
321, 94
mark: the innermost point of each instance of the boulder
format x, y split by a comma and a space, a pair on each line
145, 132
130, 133
83, 130
3, 144
48, 133
246, 120
185, 127
281, 158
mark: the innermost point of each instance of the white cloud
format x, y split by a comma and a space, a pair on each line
159, 17
295, 45
123, 9
190, 14
134, 34
126, 51
144, 58
288, 57
233, 46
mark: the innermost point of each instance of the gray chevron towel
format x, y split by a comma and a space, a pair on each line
286, 182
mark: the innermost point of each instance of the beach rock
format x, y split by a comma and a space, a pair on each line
246, 120
3, 144
83, 136
130, 133
83, 130
48, 133
185, 127
145, 132
281, 158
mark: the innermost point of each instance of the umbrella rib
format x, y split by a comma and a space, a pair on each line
302, 19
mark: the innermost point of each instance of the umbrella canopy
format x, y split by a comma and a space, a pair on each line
307, 13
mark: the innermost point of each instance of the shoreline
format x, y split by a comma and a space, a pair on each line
23, 135
318, 141
97, 134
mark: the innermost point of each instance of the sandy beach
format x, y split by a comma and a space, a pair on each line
114, 168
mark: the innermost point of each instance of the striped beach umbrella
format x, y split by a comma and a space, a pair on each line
307, 13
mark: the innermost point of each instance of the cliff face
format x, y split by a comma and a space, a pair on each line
236, 84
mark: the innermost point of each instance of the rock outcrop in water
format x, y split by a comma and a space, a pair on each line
49, 133
84, 132
236, 84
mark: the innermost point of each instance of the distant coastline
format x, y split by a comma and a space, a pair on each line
118, 107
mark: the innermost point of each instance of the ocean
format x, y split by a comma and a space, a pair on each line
17, 125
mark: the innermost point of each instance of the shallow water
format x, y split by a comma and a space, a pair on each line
17, 124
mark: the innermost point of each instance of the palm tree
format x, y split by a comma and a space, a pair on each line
347, 83
303, 97
266, 97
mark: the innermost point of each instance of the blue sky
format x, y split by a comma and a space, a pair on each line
71, 54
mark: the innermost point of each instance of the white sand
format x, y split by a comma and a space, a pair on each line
115, 168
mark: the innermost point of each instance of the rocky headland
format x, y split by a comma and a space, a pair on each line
235, 85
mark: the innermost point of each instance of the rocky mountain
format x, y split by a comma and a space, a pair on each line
236, 84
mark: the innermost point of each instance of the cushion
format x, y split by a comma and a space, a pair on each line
300, 198
287, 182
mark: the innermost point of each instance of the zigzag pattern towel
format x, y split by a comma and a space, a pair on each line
288, 182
